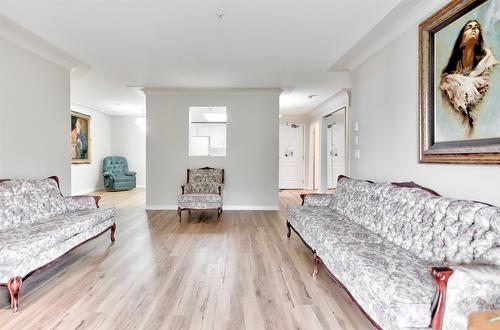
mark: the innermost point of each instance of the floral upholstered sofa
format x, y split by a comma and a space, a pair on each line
202, 191
38, 225
408, 257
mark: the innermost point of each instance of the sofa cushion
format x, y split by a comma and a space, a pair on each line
200, 201
28, 241
25, 202
393, 286
320, 226
124, 178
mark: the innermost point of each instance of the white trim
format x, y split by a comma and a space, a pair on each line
406, 14
211, 91
15, 33
77, 106
225, 207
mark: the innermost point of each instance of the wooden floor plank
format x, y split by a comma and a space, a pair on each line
241, 273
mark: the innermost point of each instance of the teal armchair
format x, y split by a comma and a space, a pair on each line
116, 174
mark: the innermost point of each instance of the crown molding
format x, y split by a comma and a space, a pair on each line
406, 14
20, 36
211, 91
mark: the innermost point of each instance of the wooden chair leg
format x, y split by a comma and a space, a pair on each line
179, 214
113, 229
315, 266
219, 212
14, 284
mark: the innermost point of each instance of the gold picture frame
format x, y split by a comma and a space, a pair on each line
433, 92
80, 138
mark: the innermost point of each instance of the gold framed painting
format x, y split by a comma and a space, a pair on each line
459, 83
80, 138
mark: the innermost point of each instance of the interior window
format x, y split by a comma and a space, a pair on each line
207, 131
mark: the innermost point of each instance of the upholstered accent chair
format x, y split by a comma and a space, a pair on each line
116, 174
202, 191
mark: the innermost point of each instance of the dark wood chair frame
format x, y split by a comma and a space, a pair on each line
15, 283
441, 274
219, 209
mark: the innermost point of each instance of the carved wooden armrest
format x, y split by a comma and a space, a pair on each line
441, 274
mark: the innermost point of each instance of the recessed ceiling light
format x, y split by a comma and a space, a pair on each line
312, 95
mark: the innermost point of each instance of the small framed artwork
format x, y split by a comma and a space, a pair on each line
459, 83
80, 138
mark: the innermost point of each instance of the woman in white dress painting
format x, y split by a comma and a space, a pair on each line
465, 80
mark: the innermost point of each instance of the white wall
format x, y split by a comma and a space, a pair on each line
34, 116
129, 140
86, 178
385, 103
251, 164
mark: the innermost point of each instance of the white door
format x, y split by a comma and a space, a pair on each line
291, 156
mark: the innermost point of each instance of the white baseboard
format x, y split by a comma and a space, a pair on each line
225, 207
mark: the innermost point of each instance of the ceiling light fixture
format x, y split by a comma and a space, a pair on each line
312, 95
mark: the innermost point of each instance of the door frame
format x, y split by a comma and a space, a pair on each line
303, 154
324, 150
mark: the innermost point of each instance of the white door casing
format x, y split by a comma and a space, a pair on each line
291, 157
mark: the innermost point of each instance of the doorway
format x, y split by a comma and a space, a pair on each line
291, 156
335, 146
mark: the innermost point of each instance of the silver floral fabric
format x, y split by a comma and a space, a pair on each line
471, 288
381, 240
205, 175
393, 286
200, 201
202, 188
441, 230
317, 199
38, 224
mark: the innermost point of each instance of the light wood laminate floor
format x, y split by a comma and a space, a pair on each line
241, 273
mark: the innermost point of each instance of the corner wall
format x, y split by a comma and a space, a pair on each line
385, 103
34, 116
129, 140
251, 165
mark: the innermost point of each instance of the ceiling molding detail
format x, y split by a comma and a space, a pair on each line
15, 33
211, 91
406, 14
76, 106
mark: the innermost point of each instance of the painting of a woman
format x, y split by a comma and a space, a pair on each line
466, 78
79, 137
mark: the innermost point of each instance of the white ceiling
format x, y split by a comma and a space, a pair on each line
290, 44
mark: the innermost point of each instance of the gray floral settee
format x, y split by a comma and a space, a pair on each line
202, 191
409, 257
39, 225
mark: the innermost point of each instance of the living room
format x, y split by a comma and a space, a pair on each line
256, 165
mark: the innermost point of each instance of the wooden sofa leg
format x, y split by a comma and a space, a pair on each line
14, 284
113, 229
289, 227
179, 214
219, 212
441, 274
315, 266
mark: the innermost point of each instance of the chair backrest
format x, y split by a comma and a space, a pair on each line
115, 164
29, 201
205, 174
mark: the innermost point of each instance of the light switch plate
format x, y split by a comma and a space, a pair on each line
356, 153
355, 127
356, 140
